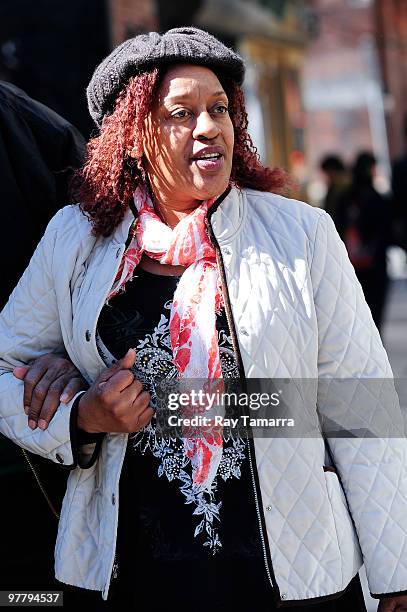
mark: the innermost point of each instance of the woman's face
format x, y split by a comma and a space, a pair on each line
190, 120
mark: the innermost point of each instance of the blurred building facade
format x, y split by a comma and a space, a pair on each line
272, 36
323, 75
355, 81
391, 37
51, 47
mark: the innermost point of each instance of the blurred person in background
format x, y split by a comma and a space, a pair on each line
363, 220
337, 180
399, 188
39, 152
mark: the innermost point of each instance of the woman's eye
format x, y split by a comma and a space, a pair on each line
181, 114
221, 109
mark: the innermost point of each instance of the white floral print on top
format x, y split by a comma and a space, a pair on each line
153, 364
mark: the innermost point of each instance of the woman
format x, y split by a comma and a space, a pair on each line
188, 266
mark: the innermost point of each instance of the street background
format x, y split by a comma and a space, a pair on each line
326, 93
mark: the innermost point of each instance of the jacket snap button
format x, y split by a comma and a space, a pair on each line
269, 508
59, 458
113, 499
87, 335
244, 331
227, 250
118, 252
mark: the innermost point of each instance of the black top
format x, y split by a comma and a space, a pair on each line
177, 544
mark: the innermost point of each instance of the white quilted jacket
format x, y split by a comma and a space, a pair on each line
299, 312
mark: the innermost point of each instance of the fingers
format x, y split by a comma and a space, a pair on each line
125, 363
143, 412
141, 402
120, 381
51, 403
20, 371
135, 410
45, 380
71, 389
64, 386
48, 389
386, 605
32, 377
128, 360
117, 405
130, 394
144, 418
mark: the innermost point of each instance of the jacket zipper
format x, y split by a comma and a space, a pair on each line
229, 316
236, 348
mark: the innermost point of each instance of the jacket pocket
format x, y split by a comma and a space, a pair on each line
348, 542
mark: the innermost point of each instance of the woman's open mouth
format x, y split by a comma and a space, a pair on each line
208, 161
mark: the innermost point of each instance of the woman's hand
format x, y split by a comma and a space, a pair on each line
393, 604
115, 402
48, 381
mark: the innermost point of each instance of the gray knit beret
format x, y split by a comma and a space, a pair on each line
146, 51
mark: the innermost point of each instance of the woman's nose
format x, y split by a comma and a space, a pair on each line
205, 127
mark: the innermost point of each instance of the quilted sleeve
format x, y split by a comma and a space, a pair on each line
29, 327
360, 414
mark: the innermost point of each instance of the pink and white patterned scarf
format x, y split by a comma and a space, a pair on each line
197, 300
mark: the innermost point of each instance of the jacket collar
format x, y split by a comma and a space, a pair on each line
122, 230
225, 216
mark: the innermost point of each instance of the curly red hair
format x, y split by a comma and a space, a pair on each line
113, 168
